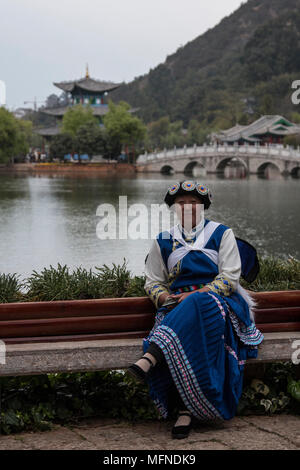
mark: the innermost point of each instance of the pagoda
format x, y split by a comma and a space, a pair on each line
85, 91
269, 129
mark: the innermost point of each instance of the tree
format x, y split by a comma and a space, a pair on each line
112, 147
197, 134
15, 135
267, 106
120, 125
158, 131
77, 116
61, 145
90, 139
24, 136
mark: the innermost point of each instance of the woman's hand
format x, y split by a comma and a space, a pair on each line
183, 295
162, 298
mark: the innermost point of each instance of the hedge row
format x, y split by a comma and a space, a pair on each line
116, 281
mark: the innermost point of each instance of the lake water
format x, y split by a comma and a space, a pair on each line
48, 220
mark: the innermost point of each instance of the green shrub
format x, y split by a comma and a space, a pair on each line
276, 274
278, 392
10, 288
116, 281
35, 402
61, 284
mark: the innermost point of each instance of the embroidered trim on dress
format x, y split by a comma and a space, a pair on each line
183, 374
223, 313
249, 335
221, 285
154, 291
234, 354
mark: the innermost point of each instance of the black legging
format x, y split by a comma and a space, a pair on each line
160, 358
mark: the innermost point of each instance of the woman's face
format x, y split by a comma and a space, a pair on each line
189, 210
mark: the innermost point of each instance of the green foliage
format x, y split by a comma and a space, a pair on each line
278, 392
35, 402
10, 288
90, 139
15, 135
61, 145
197, 134
61, 284
166, 134
276, 274
295, 117
158, 131
77, 116
293, 388
273, 49
293, 140
81, 132
116, 281
122, 126
253, 52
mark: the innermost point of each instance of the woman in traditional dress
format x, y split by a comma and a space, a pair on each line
204, 328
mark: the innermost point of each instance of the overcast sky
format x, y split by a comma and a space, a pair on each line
46, 41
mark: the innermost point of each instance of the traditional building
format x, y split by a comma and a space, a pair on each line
85, 91
265, 130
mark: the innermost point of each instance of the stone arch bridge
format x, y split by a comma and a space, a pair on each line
214, 159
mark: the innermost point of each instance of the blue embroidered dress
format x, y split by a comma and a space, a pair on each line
207, 338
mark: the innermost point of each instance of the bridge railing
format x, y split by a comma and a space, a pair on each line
274, 150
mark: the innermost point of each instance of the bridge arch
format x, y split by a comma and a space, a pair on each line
295, 172
194, 168
235, 165
167, 170
266, 167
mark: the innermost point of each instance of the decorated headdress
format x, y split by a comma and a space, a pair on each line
188, 187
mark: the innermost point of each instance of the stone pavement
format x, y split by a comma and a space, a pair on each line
278, 432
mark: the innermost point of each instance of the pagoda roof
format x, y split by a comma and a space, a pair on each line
61, 111
47, 131
269, 124
87, 84
97, 110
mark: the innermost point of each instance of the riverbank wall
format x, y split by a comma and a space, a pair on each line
97, 169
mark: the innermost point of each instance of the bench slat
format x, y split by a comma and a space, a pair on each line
288, 298
88, 337
277, 315
62, 326
278, 327
121, 306
264, 328
118, 323
75, 308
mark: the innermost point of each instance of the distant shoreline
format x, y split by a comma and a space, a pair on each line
113, 168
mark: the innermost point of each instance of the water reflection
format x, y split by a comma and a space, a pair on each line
48, 219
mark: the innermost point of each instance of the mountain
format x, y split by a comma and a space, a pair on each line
236, 71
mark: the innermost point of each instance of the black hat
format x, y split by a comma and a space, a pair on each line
188, 187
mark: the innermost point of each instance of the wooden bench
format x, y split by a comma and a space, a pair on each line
85, 335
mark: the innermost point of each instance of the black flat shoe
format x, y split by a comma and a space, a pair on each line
138, 373
181, 432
